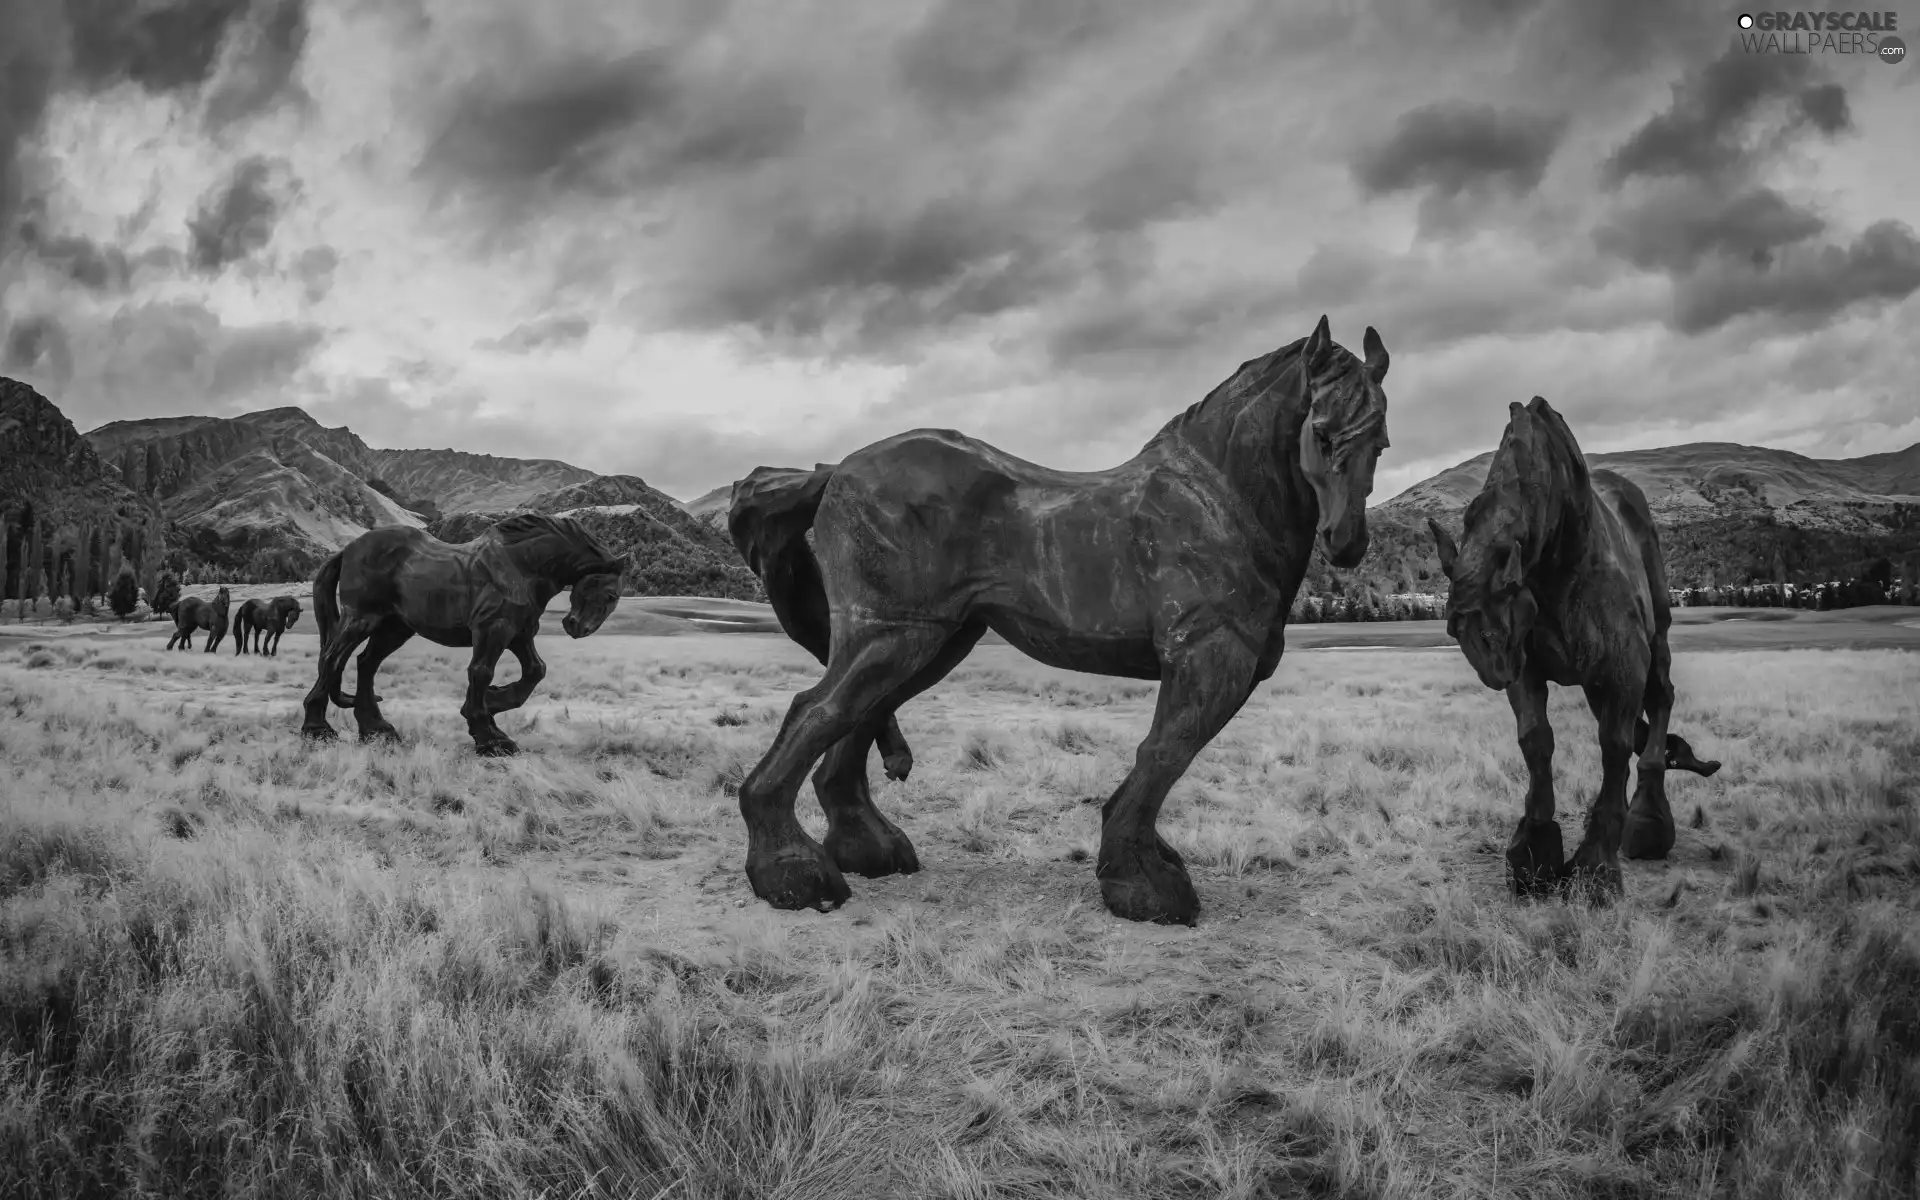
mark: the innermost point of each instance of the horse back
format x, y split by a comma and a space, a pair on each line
1623, 500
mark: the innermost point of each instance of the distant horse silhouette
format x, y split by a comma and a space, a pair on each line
1179, 565
1559, 578
391, 583
191, 613
262, 622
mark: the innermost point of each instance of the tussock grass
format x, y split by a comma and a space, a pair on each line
235, 963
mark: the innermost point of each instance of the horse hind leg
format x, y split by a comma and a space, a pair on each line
332, 657
785, 866
859, 838
1649, 828
390, 636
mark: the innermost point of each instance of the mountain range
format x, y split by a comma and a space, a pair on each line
270, 494
1728, 514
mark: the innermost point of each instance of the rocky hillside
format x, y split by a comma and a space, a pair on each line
66, 517
712, 507
674, 552
455, 481
273, 493
1728, 514
270, 492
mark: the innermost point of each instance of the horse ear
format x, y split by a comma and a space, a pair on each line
1377, 356
1317, 343
1443, 542
1512, 572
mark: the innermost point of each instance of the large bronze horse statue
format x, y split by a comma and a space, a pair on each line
191, 613
261, 622
1179, 565
1558, 578
391, 583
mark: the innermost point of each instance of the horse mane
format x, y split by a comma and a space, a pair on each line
1540, 476
1247, 396
555, 546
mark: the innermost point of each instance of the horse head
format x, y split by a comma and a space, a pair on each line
1341, 437
594, 597
1491, 608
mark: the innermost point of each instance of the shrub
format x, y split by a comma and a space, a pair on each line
125, 596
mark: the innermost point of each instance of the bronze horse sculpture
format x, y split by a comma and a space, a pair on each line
262, 622
1558, 578
191, 613
488, 594
1178, 565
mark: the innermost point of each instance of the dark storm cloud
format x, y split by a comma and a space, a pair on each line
84, 261
177, 356
28, 50
865, 280
47, 46
559, 330
162, 46
1808, 285
972, 53
237, 217
1710, 128
1694, 209
264, 59
604, 127
37, 346
1677, 226
1453, 147
314, 269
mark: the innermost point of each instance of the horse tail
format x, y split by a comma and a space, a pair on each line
326, 614
768, 518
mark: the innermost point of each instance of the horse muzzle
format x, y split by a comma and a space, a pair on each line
1345, 549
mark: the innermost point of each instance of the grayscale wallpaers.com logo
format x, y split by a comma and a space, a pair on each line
1823, 33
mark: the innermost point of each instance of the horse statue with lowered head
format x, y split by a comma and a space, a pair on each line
1178, 565
1558, 578
488, 594
191, 613
262, 622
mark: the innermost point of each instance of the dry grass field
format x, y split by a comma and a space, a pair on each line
232, 963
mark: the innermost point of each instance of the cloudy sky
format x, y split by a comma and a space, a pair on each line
720, 234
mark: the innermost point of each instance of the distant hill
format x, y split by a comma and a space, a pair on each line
712, 507
65, 512
675, 553
1727, 513
272, 493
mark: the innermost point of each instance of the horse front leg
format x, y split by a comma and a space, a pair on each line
532, 670
489, 642
1650, 829
1142, 878
1535, 855
1594, 872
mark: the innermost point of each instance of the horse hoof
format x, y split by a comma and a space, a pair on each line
1647, 837
872, 852
1152, 889
499, 748
898, 766
319, 733
798, 877
380, 733
1535, 858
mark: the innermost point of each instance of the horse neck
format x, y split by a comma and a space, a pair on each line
1252, 437
1557, 504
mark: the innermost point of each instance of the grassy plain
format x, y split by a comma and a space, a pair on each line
232, 963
